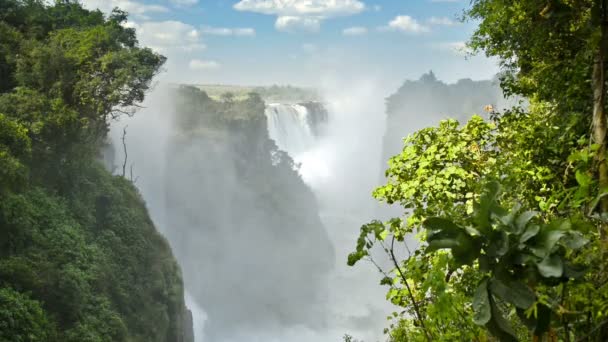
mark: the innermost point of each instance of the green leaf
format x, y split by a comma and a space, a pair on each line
529, 322
499, 244
386, 281
574, 240
514, 292
574, 271
438, 224
529, 233
481, 304
499, 326
583, 179
437, 244
545, 241
551, 266
522, 220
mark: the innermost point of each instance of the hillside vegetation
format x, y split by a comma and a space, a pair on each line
80, 259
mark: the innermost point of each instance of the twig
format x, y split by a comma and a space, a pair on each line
409, 290
124, 147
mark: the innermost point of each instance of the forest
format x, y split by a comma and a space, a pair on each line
500, 227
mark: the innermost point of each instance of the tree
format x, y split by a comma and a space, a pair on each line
552, 51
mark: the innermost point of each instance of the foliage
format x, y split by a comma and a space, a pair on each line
80, 259
442, 172
21, 318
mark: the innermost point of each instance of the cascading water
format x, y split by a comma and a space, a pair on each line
289, 127
298, 129
337, 152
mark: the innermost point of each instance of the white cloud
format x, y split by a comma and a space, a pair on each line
301, 14
166, 35
405, 23
184, 2
134, 8
441, 21
377, 8
198, 64
354, 31
291, 24
319, 8
225, 31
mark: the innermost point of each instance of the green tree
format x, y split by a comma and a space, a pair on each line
552, 51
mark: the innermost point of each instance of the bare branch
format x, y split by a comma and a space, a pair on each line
124, 147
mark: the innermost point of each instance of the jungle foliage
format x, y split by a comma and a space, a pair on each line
80, 259
502, 235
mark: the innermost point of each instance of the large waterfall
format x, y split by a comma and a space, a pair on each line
337, 144
298, 130
290, 127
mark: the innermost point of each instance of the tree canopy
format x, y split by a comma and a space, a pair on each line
502, 232
80, 259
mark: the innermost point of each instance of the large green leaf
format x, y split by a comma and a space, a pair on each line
499, 243
530, 232
514, 292
442, 243
481, 304
483, 209
438, 224
499, 326
522, 220
546, 240
574, 240
551, 266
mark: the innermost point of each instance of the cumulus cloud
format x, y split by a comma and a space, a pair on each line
134, 8
225, 31
301, 14
320, 8
354, 31
289, 23
167, 35
442, 21
198, 64
405, 23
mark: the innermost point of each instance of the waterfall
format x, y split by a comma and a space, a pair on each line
298, 130
289, 126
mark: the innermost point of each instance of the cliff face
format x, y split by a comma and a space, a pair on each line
418, 104
92, 263
244, 226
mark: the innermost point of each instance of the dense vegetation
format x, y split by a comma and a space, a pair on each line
503, 232
80, 259
245, 231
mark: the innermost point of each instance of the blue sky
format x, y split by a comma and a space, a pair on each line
299, 41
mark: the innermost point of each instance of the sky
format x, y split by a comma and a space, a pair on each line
264, 42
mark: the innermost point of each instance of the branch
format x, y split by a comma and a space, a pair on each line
124, 147
409, 290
